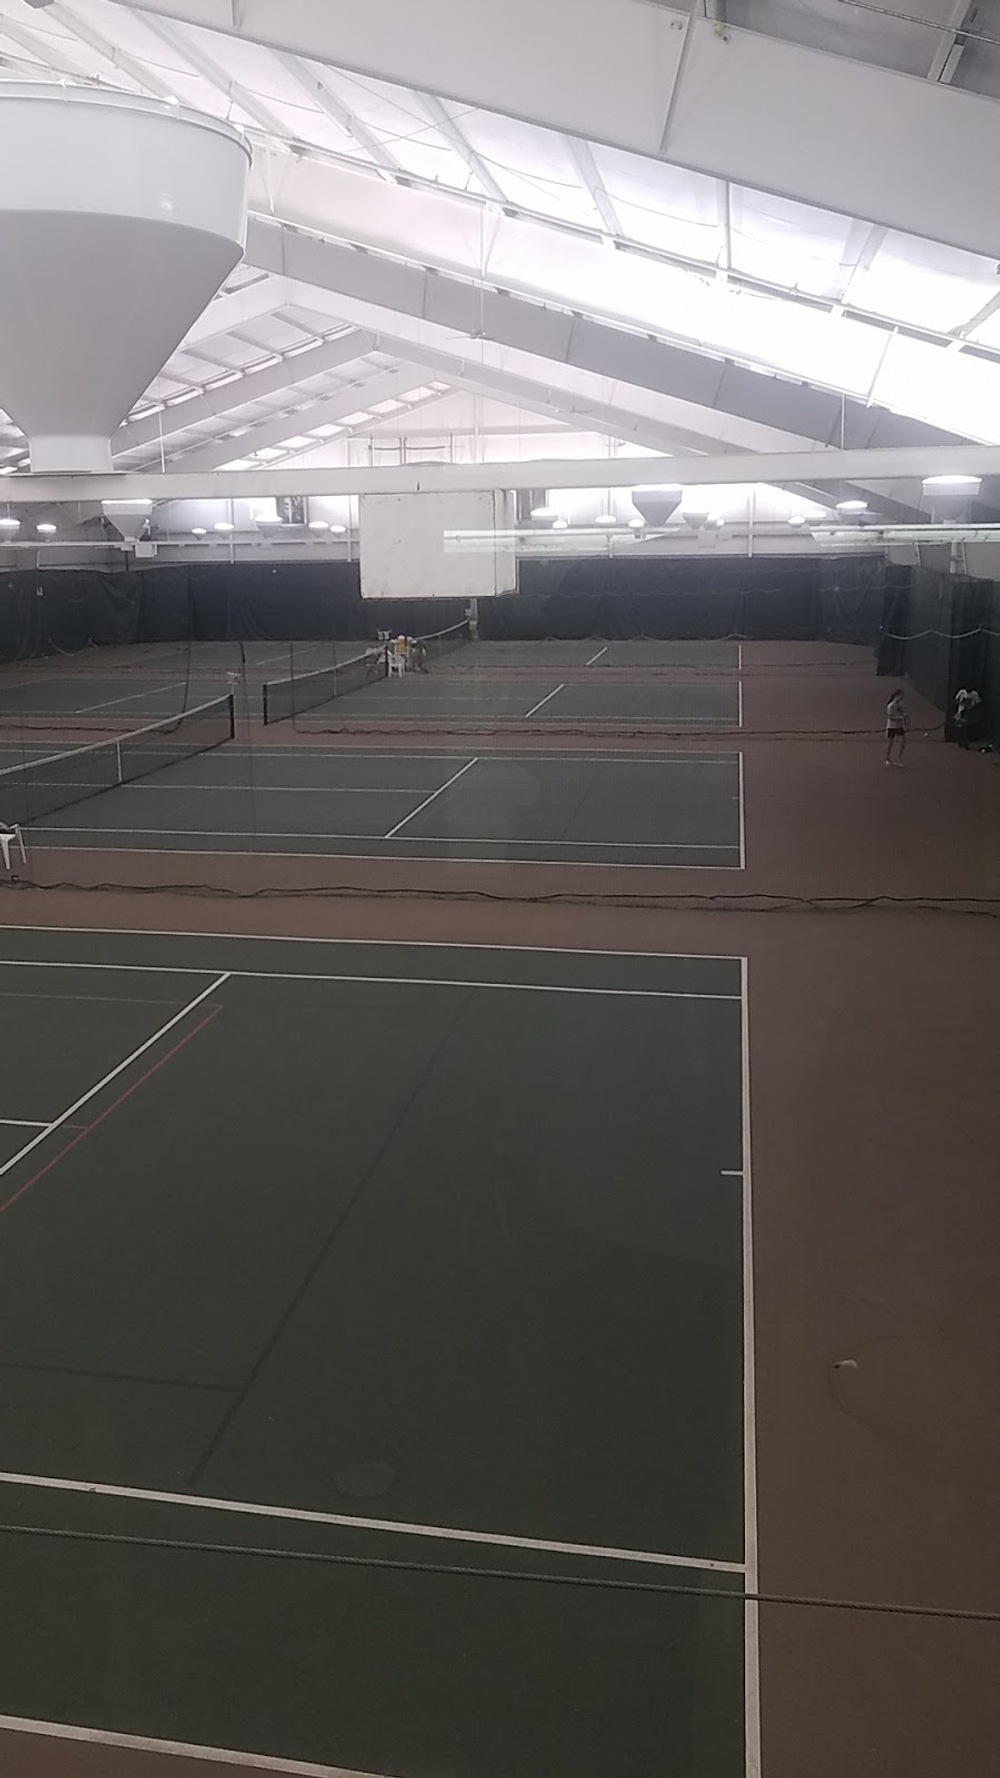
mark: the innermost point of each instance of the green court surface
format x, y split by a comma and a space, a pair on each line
485, 682
373, 1373
615, 810
451, 695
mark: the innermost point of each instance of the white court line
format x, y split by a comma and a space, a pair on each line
394, 1527
415, 944
292, 975
597, 656
741, 790
739, 656
731, 1173
515, 840
429, 839
403, 754
547, 700
221, 1756
149, 691
393, 831
259, 789
467, 860
24, 1123
751, 1633
113, 1073
739, 702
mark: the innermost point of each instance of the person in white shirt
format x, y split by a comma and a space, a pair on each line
968, 714
895, 728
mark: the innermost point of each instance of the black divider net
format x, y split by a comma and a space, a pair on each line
42, 787
797, 598
942, 632
300, 692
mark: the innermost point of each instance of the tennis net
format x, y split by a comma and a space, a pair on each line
445, 641
40, 787
305, 691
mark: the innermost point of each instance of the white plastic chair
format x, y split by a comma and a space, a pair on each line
11, 836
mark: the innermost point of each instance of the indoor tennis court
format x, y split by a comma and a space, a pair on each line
427, 1375
499, 706
654, 811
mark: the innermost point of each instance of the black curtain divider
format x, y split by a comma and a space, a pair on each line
61, 613
942, 631
64, 611
760, 598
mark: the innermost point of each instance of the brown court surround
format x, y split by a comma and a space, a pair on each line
875, 1137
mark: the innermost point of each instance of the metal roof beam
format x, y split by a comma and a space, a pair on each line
46, 51
582, 156
948, 53
146, 79
269, 434
216, 76
446, 125
237, 308
739, 105
311, 83
240, 391
870, 467
458, 306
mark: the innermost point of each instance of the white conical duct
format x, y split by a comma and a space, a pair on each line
120, 217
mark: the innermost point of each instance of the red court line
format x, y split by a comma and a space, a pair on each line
127, 1094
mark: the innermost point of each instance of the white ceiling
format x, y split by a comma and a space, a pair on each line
518, 281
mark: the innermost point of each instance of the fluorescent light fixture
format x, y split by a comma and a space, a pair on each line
267, 518
318, 525
357, 419
605, 518
797, 519
268, 453
637, 524
338, 530
46, 529
224, 525
561, 525
170, 99
851, 506
695, 519
10, 525
949, 482
544, 512
325, 431
198, 531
